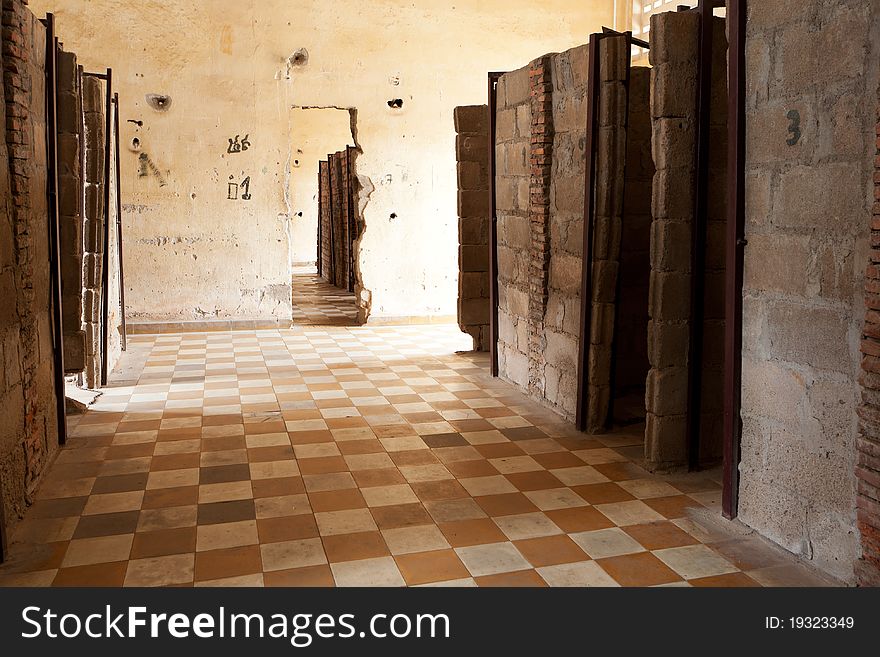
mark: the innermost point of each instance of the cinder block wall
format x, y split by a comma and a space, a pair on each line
70, 209
674, 56
95, 225
812, 78
512, 151
471, 154
29, 428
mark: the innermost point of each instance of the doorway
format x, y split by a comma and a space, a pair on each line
323, 189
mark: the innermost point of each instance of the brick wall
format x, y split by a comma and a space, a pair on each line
70, 208
812, 79
94, 226
324, 192
29, 431
338, 230
675, 38
471, 154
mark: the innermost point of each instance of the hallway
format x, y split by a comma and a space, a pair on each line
360, 457
317, 303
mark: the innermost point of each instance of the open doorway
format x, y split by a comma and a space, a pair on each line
323, 188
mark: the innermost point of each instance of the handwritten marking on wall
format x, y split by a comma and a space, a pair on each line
236, 146
239, 191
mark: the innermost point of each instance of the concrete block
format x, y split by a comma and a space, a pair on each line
673, 194
666, 391
674, 37
816, 337
515, 86
665, 442
674, 89
474, 258
473, 176
613, 58
669, 296
472, 148
474, 311
473, 203
472, 119
74, 352
668, 344
505, 125
670, 246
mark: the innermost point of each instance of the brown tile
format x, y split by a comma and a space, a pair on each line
120, 484
578, 443
621, 471
308, 577
98, 575
216, 513
414, 457
352, 547
346, 422
164, 542
140, 425
537, 480
550, 550
393, 431
184, 433
43, 556
675, 506
374, 478
400, 515
464, 533
464, 469
660, 535
322, 465
428, 567
554, 460
739, 580
446, 489
445, 440
524, 433
287, 528
495, 411
224, 473
138, 450
748, 553
518, 579
499, 450
310, 437
579, 519
506, 504
466, 426
174, 462
337, 500
223, 443
66, 507
369, 446
278, 487
266, 454
603, 493
230, 562
107, 524
640, 569
251, 428
165, 497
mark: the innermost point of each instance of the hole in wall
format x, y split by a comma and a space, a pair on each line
159, 102
135, 145
395, 103
393, 215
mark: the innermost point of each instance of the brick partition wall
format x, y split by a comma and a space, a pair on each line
868, 442
338, 231
70, 209
540, 171
29, 430
94, 226
324, 191
471, 154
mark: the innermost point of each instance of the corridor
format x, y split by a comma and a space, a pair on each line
322, 456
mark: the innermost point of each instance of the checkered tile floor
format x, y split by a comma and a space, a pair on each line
359, 457
317, 303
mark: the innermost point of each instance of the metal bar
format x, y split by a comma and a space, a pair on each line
589, 208
612, 383
119, 251
698, 237
493, 225
105, 259
320, 221
100, 76
51, 93
735, 247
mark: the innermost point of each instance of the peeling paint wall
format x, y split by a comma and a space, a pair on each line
194, 253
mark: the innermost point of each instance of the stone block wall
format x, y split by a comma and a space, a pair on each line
812, 80
607, 227
94, 226
70, 208
472, 155
631, 328
561, 320
513, 131
338, 229
674, 56
29, 429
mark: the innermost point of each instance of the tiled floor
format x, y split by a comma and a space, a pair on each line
317, 303
359, 456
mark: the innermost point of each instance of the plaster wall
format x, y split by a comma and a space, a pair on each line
193, 253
